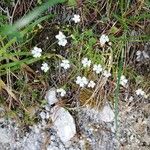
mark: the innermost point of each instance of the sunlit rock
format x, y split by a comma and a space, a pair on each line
63, 123
107, 114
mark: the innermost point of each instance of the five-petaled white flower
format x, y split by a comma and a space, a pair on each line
140, 92
76, 18
60, 36
91, 84
103, 39
61, 91
97, 68
123, 80
86, 62
36, 52
62, 41
45, 67
65, 64
106, 73
81, 81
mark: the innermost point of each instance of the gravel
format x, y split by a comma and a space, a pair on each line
93, 134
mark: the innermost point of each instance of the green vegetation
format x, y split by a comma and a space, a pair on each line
23, 83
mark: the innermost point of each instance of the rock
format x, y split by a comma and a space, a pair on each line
5, 137
42, 115
50, 147
63, 123
107, 114
51, 96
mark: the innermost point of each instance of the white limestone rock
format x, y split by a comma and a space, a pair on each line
107, 114
63, 123
5, 136
51, 96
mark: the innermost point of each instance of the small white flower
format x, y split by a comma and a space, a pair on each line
76, 18
131, 98
91, 84
36, 52
123, 80
60, 36
103, 39
86, 62
106, 73
45, 67
84, 80
97, 68
62, 41
65, 64
61, 91
140, 92
81, 81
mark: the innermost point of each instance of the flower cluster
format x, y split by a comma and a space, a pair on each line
98, 69
82, 81
62, 41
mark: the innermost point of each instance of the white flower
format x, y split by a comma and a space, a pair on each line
65, 64
131, 98
61, 39
45, 67
140, 92
81, 81
91, 84
76, 18
36, 52
62, 42
123, 80
86, 62
61, 91
106, 73
103, 39
60, 36
97, 68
